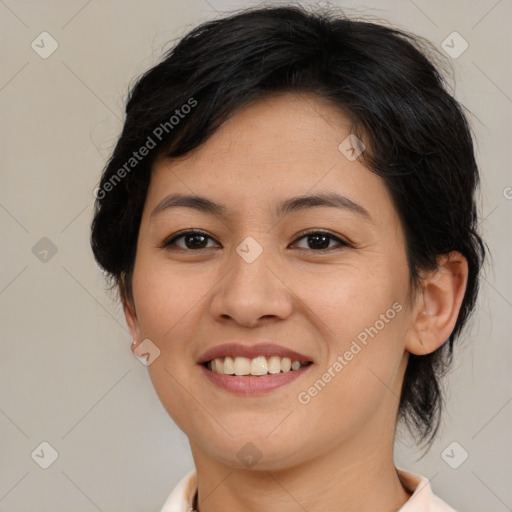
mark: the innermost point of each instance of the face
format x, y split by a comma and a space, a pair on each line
326, 280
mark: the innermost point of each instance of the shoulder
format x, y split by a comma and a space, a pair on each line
181, 498
423, 498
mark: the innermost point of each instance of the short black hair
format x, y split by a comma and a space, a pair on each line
388, 83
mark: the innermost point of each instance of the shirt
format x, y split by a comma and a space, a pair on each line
422, 499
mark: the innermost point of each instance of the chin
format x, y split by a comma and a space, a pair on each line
257, 453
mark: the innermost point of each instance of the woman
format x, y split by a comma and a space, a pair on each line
289, 215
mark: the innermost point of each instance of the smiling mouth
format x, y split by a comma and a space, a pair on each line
258, 366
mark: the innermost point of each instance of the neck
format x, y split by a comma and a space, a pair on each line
357, 484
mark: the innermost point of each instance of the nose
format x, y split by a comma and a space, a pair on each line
253, 291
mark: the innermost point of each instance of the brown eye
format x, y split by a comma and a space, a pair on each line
197, 240
320, 240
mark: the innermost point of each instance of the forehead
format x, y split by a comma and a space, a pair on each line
278, 146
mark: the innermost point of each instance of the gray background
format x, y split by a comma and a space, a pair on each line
67, 373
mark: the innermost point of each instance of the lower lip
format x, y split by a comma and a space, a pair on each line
253, 385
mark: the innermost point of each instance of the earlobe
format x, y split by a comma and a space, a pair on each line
438, 304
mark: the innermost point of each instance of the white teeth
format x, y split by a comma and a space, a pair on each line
242, 366
257, 366
229, 366
274, 364
296, 365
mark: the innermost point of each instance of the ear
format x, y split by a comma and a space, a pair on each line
130, 313
437, 304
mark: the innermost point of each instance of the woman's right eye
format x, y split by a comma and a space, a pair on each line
193, 240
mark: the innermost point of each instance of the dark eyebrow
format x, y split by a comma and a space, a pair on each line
293, 204
199, 203
331, 199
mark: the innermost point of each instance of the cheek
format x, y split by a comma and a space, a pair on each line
365, 347
351, 300
165, 297
168, 304
364, 317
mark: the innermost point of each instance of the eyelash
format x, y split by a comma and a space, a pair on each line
303, 234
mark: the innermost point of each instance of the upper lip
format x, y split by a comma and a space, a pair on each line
251, 351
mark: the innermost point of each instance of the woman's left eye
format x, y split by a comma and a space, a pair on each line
320, 240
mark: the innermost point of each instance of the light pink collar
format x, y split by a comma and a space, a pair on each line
423, 499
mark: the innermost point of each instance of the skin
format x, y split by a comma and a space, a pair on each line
336, 452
